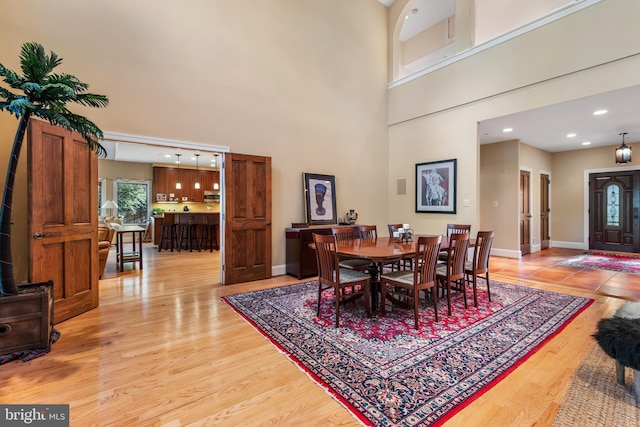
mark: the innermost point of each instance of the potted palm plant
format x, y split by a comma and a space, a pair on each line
38, 92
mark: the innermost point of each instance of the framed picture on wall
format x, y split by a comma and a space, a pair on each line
436, 186
320, 199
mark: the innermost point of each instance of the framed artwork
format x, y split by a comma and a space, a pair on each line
436, 186
320, 199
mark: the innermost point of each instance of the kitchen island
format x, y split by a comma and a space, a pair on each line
199, 219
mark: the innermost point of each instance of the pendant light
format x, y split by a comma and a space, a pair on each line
197, 174
623, 153
216, 186
178, 185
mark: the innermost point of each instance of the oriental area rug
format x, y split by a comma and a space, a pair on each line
388, 374
604, 261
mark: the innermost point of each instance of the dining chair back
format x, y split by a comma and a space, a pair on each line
406, 262
454, 229
393, 227
368, 232
348, 235
450, 275
457, 229
331, 276
406, 284
479, 266
345, 234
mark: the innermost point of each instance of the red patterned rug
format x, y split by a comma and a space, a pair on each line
385, 372
604, 261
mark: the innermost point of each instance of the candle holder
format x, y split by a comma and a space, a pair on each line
403, 235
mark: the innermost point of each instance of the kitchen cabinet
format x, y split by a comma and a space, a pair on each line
165, 179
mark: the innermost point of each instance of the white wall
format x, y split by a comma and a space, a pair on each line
435, 116
303, 82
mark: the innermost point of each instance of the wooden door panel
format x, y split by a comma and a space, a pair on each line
247, 240
525, 213
63, 200
545, 212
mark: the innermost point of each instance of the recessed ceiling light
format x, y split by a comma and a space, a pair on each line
507, 130
599, 112
571, 135
586, 143
167, 155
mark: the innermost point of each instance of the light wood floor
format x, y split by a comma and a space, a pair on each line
163, 350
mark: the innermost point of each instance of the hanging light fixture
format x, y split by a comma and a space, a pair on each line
197, 174
216, 186
178, 185
623, 153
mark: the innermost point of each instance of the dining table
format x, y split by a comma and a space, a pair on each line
381, 251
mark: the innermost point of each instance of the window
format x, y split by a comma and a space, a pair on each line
133, 201
613, 205
102, 188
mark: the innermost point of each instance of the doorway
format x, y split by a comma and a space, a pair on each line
130, 160
525, 212
545, 210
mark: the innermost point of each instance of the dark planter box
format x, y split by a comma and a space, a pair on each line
26, 319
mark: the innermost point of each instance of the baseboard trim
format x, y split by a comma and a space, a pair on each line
569, 245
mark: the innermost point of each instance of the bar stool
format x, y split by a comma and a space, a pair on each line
167, 237
208, 236
187, 233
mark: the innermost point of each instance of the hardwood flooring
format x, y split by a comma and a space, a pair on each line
162, 349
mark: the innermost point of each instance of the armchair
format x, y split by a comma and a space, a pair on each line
105, 237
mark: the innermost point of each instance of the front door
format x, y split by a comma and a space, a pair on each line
614, 200
63, 216
247, 223
525, 213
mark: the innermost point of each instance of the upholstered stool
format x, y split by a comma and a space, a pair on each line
167, 237
619, 337
208, 236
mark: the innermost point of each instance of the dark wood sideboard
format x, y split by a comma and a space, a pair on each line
301, 259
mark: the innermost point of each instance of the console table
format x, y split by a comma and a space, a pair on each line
301, 259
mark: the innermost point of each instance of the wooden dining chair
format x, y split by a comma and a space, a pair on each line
407, 284
450, 275
480, 264
405, 262
347, 235
370, 232
454, 229
331, 276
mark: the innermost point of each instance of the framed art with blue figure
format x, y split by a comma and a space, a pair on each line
436, 186
320, 199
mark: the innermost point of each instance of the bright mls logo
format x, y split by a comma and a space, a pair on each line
34, 415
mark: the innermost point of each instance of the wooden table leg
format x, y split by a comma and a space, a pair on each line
140, 245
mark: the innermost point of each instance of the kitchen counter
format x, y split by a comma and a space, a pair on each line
202, 218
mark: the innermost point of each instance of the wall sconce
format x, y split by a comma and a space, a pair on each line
623, 153
178, 185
